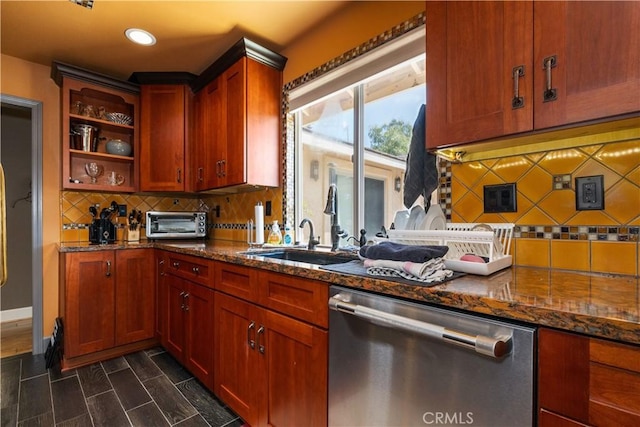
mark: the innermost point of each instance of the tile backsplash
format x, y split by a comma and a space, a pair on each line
549, 231
234, 210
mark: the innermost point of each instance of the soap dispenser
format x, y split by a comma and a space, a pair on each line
275, 235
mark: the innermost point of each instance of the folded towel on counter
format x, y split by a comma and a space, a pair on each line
398, 252
427, 272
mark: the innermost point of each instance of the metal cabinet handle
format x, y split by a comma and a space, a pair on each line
223, 162
550, 94
517, 101
260, 332
185, 305
218, 169
488, 346
200, 174
108, 273
251, 342
176, 265
196, 270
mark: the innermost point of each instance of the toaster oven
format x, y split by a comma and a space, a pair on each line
176, 225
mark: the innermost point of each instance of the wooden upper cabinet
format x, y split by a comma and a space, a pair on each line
472, 51
164, 137
597, 50
239, 131
486, 76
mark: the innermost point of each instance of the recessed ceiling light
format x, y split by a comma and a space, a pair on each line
139, 36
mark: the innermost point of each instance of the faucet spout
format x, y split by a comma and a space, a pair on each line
312, 240
332, 209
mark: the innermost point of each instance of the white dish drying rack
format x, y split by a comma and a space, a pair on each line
462, 239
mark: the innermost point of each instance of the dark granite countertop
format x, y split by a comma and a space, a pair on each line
598, 305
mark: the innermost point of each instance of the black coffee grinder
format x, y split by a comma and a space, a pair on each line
102, 230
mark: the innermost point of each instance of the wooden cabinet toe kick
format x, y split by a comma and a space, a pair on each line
88, 359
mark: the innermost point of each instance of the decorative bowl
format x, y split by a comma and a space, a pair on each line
120, 118
118, 147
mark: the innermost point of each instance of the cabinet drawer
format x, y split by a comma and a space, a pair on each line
193, 268
236, 280
303, 299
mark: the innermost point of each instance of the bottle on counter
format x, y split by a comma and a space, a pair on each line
275, 235
288, 238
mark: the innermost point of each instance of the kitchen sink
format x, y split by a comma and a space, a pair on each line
309, 257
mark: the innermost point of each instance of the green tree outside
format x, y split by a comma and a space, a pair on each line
391, 138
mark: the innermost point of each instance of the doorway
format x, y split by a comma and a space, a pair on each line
21, 156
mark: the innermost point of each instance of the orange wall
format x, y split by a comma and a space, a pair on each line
350, 27
31, 81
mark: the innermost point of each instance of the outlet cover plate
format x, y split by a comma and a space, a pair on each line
590, 192
500, 198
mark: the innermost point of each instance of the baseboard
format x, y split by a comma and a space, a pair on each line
16, 314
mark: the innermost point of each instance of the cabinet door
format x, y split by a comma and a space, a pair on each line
89, 302
135, 295
162, 156
295, 360
211, 143
563, 374
236, 372
175, 339
597, 51
472, 50
234, 159
200, 322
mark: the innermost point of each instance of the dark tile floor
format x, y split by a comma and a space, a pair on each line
148, 388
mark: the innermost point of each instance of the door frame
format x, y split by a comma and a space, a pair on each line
37, 336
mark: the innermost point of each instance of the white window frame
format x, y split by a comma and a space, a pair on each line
406, 47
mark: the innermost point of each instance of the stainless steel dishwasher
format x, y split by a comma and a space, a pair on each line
397, 363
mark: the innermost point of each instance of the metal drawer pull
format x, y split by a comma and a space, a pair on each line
488, 346
179, 175
260, 332
108, 273
176, 265
251, 342
195, 270
517, 101
550, 94
200, 174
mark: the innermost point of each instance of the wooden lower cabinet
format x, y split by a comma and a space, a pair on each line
587, 381
271, 369
107, 302
188, 331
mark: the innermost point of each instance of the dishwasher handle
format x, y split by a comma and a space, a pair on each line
494, 347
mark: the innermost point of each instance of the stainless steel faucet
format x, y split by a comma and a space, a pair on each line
332, 209
312, 240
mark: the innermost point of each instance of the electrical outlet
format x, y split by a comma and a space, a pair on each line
590, 193
122, 210
500, 198
267, 208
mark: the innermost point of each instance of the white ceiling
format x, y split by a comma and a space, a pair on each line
190, 34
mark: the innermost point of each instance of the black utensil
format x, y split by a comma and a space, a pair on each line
93, 211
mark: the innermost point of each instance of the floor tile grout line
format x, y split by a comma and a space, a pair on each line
53, 409
84, 396
147, 390
19, 390
179, 391
116, 392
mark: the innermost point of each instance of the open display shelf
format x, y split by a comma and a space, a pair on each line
87, 99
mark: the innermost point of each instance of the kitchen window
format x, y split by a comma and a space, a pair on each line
352, 127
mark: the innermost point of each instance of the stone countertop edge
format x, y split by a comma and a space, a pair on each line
603, 306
